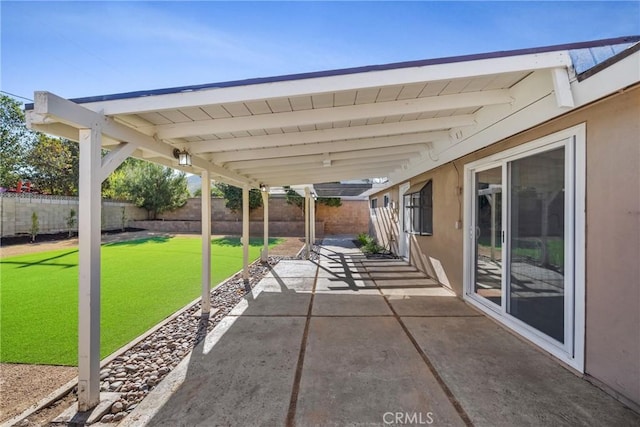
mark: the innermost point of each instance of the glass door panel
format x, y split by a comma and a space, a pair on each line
536, 288
488, 233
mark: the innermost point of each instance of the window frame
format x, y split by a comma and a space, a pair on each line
418, 205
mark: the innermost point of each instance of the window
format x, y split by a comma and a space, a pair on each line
386, 200
418, 204
374, 203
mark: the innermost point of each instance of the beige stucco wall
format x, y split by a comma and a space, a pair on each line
612, 353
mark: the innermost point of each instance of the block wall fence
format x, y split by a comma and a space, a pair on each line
284, 219
53, 212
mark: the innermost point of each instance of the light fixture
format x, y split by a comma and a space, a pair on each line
263, 188
184, 158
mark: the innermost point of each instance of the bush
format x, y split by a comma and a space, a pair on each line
372, 247
363, 238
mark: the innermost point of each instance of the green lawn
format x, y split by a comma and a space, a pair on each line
143, 282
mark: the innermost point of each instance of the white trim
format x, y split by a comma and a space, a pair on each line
403, 247
574, 141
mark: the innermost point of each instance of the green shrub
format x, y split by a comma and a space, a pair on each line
363, 239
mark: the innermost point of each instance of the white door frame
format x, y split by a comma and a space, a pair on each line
403, 241
574, 141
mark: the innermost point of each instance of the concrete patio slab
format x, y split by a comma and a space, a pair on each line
241, 375
392, 274
347, 304
285, 284
289, 268
266, 303
390, 376
431, 306
353, 362
501, 380
362, 287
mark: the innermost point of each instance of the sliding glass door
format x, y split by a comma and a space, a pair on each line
521, 217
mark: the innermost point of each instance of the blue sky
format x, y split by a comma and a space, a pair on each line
79, 49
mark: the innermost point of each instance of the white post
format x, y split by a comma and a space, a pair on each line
89, 224
245, 233
265, 206
206, 241
313, 220
306, 222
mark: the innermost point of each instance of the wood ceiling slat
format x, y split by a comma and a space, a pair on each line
240, 134
307, 128
290, 129
367, 96
455, 86
195, 114
407, 117
478, 84
279, 105
237, 109
257, 132
411, 91
209, 136
258, 107
341, 124
276, 131
301, 103
359, 122
224, 135
427, 115
505, 81
134, 120
155, 118
324, 100
176, 116
434, 88
375, 120
320, 126
216, 111
392, 119
344, 98
389, 93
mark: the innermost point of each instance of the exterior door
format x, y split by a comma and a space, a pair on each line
403, 239
525, 243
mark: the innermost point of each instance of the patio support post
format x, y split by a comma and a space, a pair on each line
307, 195
89, 223
206, 241
245, 233
265, 206
312, 205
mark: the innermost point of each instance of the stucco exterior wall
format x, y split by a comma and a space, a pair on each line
612, 354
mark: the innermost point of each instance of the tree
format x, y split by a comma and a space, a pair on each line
293, 198
215, 192
154, 187
233, 197
52, 165
15, 141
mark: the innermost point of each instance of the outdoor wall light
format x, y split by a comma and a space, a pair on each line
184, 158
263, 188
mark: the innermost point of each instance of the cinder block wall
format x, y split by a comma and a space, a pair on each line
53, 212
284, 219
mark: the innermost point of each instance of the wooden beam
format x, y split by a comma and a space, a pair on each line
326, 135
333, 114
330, 147
115, 157
314, 158
562, 88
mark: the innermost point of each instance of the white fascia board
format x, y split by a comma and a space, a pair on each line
338, 134
328, 84
333, 114
614, 78
329, 147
